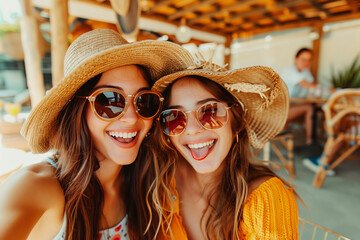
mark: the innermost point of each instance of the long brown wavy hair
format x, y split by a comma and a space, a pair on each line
226, 199
76, 166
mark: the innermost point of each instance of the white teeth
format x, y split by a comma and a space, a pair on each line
123, 134
201, 145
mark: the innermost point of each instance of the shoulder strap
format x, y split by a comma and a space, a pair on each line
51, 161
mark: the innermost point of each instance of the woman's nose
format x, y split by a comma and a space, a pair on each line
130, 116
193, 126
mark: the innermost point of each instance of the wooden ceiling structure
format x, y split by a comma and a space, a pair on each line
244, 18
220, 20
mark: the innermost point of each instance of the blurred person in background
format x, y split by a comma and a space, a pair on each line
299, 79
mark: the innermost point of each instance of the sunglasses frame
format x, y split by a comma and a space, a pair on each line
96, 92
196, 116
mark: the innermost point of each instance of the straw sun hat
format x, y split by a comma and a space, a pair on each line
89, 55
260, 91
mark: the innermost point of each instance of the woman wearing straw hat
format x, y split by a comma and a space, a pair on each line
95, 121
204, 133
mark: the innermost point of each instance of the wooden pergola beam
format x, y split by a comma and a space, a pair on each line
310, 23
263, 10
354, 5
30, 39
316, 50
191, 8
351, 16
159, 5
228, 8
59, 42
200, 29
104, 12
320, 7
277, 28
227, 59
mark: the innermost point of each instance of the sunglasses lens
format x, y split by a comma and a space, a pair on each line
148, 104
212, 115
109, 104
172, 122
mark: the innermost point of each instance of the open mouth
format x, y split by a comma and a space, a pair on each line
123, 137
199, 151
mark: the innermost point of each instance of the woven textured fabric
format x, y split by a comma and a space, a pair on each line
89, 55
260, 91
270, 212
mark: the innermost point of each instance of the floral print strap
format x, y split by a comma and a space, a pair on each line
119, 232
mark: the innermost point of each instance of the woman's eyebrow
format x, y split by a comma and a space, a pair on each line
201, 102
143, 88
120, 88
107, 86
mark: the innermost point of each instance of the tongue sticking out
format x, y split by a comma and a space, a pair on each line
200, 153
124, 140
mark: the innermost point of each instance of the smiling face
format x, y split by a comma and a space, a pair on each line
119, 140
204, 149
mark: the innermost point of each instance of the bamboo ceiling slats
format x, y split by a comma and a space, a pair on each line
228, 17
247, 17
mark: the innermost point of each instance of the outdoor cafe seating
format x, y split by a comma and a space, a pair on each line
342, 126
284, 140
283, 144
310, 230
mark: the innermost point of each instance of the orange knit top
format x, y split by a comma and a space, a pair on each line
270, 212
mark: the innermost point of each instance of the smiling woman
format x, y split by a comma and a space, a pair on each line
209, 120
131, 127
204, 152
95, 120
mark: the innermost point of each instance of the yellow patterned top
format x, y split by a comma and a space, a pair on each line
270, 212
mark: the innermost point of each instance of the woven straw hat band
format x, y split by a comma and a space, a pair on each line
78, 52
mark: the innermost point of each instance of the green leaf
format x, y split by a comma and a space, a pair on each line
347, 78
356, 80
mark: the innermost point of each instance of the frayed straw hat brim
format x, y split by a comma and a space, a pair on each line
259, 90
91, 54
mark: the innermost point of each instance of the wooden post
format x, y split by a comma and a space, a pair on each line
316, 51
30, 42
228, 51
59, 42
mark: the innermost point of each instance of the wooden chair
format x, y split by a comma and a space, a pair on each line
342, 126
282, 140
317, 232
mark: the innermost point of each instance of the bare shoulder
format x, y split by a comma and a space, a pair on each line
254, 184
25, 197
34, 186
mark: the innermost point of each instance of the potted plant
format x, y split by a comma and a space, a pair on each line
348, 77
